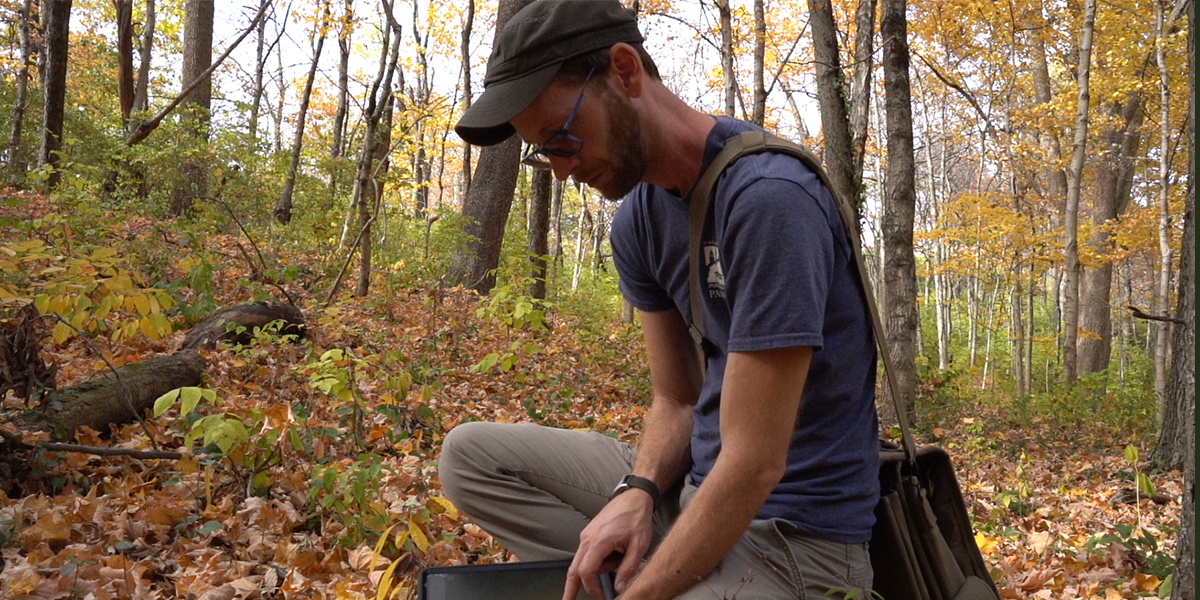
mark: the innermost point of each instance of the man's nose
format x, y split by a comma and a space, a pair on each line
563, 167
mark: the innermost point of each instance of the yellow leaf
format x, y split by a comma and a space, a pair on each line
418, 535
61, 332
148, 328
385, 583
985, 545
379, 547
142, 303
21, 580
189, 465
1146, 583
447, 507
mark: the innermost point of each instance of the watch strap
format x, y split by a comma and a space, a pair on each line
641, 483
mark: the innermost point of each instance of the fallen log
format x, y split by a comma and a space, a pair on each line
117, 398
236, 325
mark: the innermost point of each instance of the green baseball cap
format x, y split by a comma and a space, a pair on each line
528, 53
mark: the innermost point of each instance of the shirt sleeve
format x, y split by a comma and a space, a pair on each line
778, 250
631, 255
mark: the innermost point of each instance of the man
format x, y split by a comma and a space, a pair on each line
756, 476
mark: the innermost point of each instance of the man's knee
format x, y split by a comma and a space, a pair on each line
462, 449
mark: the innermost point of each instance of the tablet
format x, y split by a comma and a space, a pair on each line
541, 580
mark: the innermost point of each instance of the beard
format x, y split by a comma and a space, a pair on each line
627, 152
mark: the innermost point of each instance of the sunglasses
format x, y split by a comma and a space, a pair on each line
561, 143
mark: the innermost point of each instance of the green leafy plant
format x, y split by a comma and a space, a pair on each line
350, 495
515, 309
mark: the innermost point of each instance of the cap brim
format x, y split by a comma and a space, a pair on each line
486, 122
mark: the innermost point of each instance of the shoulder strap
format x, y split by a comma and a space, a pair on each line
753, 142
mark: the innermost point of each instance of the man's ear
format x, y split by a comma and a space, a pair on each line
626, 64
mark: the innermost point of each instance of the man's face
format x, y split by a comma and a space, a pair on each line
613, 158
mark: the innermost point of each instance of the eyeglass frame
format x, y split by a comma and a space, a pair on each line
538, 155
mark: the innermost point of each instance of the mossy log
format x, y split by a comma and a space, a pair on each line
236, 325
115, 399
108, 399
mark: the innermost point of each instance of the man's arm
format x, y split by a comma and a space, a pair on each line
760, 398
625, 525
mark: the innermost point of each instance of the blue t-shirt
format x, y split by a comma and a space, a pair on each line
776, 271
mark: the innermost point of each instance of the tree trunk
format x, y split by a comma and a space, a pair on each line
489, 198
1163, 292
283, 206
1071, 216
900, 301
539, 228
1176, 443
277, 114
860, 90
760, 50
54, 92
14, 164
378, 102
725, 16
1112, 190
124, 57
556, 246
831, 96
465, 50
197, 57
345, 33
260, 64
141, 92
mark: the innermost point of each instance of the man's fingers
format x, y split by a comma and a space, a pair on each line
572, 589
584, 570
629, 565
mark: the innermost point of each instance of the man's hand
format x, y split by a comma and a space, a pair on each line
621, 532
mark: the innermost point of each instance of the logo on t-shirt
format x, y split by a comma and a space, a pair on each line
716, 277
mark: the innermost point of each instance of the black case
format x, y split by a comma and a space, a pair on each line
539, 580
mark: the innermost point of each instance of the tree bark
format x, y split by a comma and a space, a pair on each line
725, 17
831, 96
860, 90
539, 229
124, 57
256, 95
366, 188
1163, 291
760, 50
1071, 214
489, 198
54, 91
465, 50
900, 300
1176, 439
197, 58
14, 163
141, 91
283, 205
345, 34
1112, 189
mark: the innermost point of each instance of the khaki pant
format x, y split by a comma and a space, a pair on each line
535, 488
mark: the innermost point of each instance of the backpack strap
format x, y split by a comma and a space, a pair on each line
754, 142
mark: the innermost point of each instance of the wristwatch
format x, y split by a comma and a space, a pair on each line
641, 483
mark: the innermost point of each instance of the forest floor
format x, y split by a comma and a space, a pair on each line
332, 491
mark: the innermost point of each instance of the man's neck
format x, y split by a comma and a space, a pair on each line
678, 134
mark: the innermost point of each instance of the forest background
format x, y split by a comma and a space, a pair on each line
1023, 171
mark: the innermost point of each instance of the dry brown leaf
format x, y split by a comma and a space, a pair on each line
224, 592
